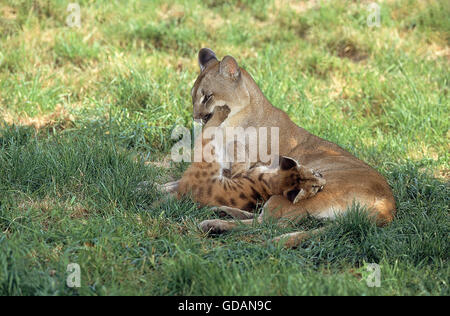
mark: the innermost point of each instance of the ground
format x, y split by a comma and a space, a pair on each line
87, 113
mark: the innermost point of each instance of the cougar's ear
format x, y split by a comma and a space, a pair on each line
287, 163
229, 68
205, 55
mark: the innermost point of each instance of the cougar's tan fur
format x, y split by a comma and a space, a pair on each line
348, 179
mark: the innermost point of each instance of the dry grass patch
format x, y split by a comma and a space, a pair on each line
8, 12
59, 119
298, 7
75, 210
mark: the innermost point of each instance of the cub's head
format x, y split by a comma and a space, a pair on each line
295, 182
219, 83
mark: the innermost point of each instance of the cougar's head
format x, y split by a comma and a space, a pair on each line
219, 83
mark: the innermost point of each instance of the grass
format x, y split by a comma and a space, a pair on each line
86, 115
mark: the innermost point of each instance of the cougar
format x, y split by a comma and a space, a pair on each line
348, 179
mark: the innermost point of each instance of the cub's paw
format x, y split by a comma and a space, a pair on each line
221, 112
214, 226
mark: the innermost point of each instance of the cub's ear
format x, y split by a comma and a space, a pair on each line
205, 55
296, 195
287, 163
229, 68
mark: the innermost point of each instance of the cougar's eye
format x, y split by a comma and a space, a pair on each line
206, 98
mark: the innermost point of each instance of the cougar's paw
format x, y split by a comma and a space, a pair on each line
214, 226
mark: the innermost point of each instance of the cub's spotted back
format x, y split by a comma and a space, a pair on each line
207, 185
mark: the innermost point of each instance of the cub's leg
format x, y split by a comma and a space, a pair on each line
233, 212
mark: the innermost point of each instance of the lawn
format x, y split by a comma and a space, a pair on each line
86, 114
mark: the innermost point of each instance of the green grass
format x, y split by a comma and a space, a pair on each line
86, 112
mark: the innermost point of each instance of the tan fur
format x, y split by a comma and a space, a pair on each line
349, 180
206, 184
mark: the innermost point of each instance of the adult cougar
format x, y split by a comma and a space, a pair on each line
348, 179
